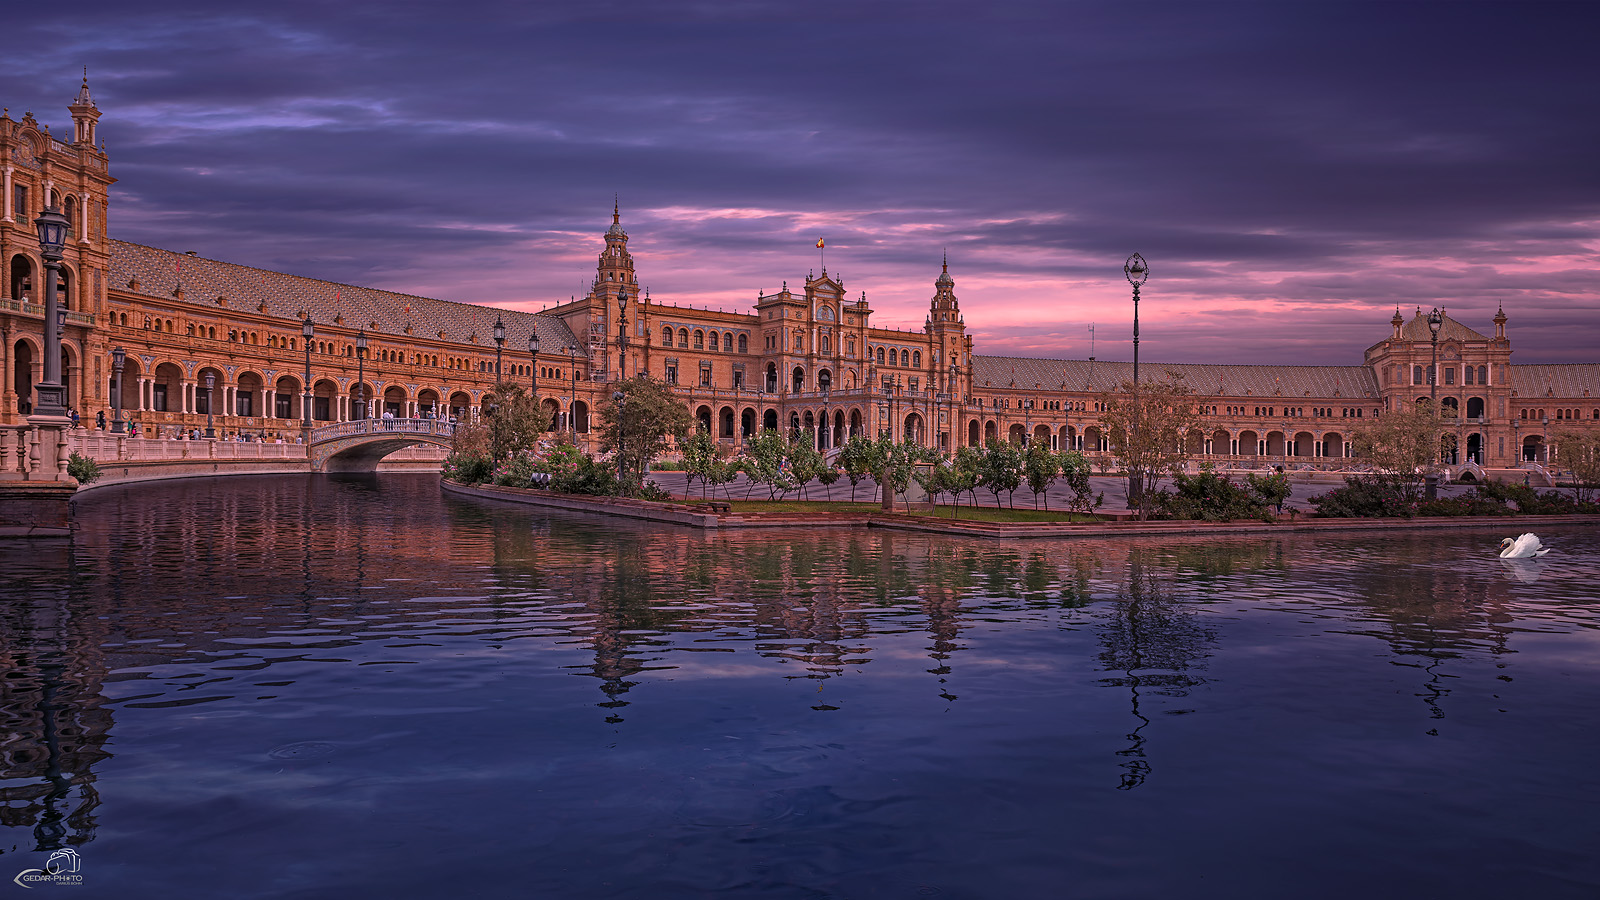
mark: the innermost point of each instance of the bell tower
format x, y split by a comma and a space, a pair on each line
84, 114
947, 333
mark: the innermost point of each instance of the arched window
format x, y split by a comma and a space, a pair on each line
916, 359
1416, 375
666, 337
727, 340
744, 344
683, 338
1483, 374
905, 358
716, 341
880, 356
699, 339
826, 346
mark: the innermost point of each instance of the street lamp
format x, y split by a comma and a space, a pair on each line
361, 373
499, 345
1435, 322
620, 399
211, 382
307, 331
119, 358
50, 394
622, 334
533, 351
1136, 270
572, 401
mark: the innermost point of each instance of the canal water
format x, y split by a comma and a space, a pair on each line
356, 687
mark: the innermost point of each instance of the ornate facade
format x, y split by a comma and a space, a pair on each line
806, 359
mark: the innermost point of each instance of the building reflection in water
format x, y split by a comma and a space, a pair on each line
250, 572
54, 717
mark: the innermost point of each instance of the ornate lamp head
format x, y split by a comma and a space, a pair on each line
1136, 270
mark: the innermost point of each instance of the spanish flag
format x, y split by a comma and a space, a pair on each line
819, 243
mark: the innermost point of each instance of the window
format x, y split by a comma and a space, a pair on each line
672, 374
744, 343
699, 339
916, 359
705, 376
799, 341
159, 396
715, 342
1416, 375
683, 338
880, 356
905, 358
666, 337
727, 341
826, 347
19, 202
243, 403
1483, 374
1468, 375
738, 379
1450, 375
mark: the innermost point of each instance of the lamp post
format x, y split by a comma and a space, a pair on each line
119, 358
361, 373
211, 382
533, 370
499, 345
572, 401
1435, 322
618, 397
50, 394
1136, 270
955, 381
827, 426
307, 331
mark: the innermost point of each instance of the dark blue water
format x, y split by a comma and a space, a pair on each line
353, 688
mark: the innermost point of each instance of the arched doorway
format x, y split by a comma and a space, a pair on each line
22, 358
1533, 448
772, 379
459, 401
428, 402
1474, 407
394, 401
1017, 435
21, 278
972, 433
703, 416
1276, 445
248, 396
1249, 443
725, 418
824, 380
360, 400
857, 427
798, 376
747, 423
1475, 448
580, 416
166, 392
769, 420
324, 400
991, 431
1448, 450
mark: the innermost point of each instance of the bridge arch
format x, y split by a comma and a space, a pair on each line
357, 446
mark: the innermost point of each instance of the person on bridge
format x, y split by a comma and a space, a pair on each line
388, 420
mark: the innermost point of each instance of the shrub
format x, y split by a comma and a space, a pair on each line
83, 468
467, 467
1474, 504
1213, 498
516, 471
1362, 498
587, 477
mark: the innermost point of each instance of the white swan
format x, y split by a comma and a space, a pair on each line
1525, 547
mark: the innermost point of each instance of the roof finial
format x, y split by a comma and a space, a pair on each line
616, 208
946, 260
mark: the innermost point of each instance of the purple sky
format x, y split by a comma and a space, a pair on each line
1290, 170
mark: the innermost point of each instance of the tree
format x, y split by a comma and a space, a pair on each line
1040, 466
720, 472
516, 423
968, 466
637, 432
855, 458
1401, 445
1075, 470
699, 455
1147, 425
764, 456
1001, 469
936, 479
1579, 452
896, 464
804, 461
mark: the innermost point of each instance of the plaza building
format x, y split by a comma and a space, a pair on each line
202, 336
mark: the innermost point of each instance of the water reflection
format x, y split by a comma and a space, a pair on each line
358, 616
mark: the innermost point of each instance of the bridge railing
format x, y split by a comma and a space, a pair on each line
435, 427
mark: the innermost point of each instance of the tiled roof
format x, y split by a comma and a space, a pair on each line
1566, 380
1449, 330
247, 288
1234, 381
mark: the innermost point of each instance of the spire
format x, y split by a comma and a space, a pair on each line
616, 208
83, 98
84, 114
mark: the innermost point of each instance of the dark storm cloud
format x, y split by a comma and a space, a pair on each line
1320, 162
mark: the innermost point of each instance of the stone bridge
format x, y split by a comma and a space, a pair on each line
357, 446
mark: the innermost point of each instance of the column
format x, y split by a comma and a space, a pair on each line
9, 212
